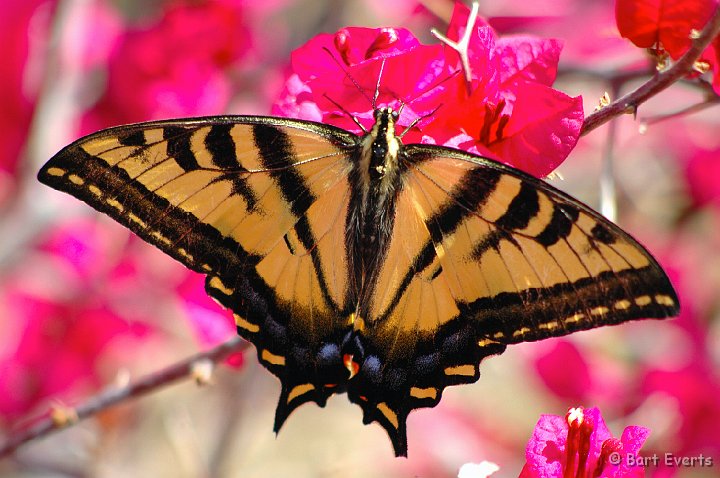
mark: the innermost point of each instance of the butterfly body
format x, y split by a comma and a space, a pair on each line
357, 263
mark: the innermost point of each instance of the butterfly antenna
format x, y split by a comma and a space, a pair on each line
349, 76
350, 115
418, 119
435, 85
399, 113
402, 107
377, 85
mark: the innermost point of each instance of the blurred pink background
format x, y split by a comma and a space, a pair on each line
85, 305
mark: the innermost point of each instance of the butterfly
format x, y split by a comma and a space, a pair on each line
360, 264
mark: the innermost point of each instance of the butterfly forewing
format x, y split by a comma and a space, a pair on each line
518, 257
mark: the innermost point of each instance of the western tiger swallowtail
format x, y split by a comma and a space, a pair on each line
357, 263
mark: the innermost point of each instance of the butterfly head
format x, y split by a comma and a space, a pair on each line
387, 111
385, 120
381, 142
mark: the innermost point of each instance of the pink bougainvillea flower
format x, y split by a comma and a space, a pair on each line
24, 27
702, 173
176, 66
58, 350
63, 322
663, 24
503, 107
579, 445
709, 62
667, 26
564, 370
512, 114
716, 64
688, 381
328, 70
696, 151
72, 325
694, 390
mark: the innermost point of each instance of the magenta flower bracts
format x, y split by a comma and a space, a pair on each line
579, 445
499, 105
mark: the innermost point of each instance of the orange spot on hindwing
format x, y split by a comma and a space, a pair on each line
350, 364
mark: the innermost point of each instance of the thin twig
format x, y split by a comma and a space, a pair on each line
630, 102
104, 400
687, 110
619, 76
608, 195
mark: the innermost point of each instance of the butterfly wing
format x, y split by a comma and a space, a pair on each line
258, 205
483, 256
480, 255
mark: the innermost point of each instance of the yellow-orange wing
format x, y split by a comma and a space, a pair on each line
476, 255
258, 205
482, 256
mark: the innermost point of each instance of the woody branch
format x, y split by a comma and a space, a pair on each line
662, 80
62, 417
